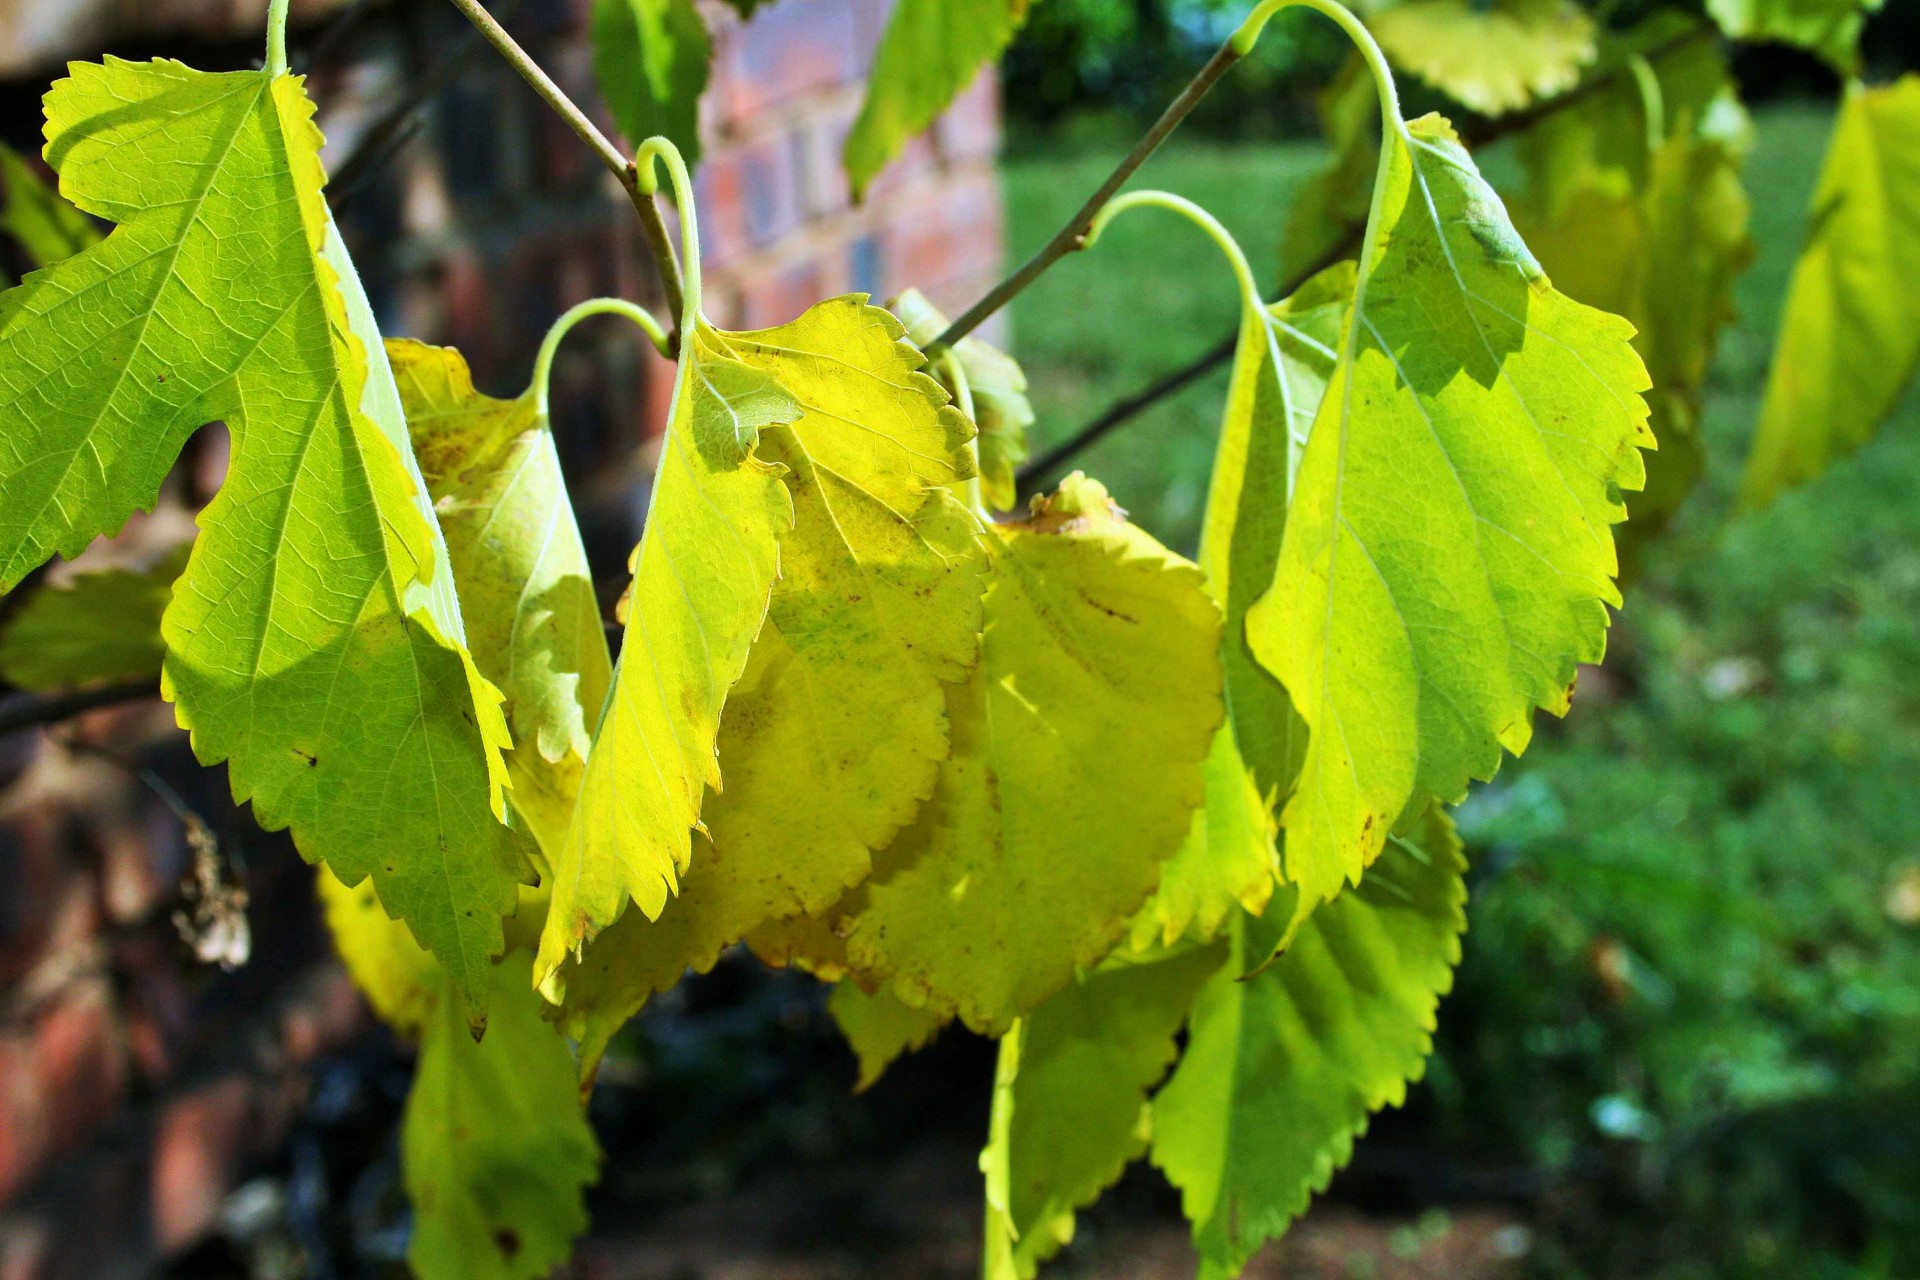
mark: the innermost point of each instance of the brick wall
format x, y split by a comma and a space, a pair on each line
137, 1087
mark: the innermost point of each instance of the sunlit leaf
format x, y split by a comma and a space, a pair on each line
931, 50
833, 737
1282, 1069
315, 642
1075, 771
998, 387
400, 979
1285, 356
652, 59
1070, 1100
1493, 57
96, 628
495, 1149
1850, 335
702, 575
1449, 555
533, 618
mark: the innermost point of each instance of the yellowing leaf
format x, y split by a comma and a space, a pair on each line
399, 978
495, 1151
1449, 554
998, 387
1070, 1100
1850, 337
315, 642
932, 49
1494, 57
880, 1027
834, 735
1074, 774
1831, 28
1280, 370
95, 628
1283, 1068
652, 59
494, 475
702, 575
46, 227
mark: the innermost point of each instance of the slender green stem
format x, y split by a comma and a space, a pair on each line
543, 362
563, 106
1653, 107
277, 37
1242, 272
1069, 237
654, 152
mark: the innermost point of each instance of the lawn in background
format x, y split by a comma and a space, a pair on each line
1689, 1015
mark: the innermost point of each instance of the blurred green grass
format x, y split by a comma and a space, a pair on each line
1694, 967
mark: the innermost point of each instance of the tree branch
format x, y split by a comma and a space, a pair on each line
30, 710
622, 168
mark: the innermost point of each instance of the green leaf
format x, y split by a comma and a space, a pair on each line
95, 628
1850, 337
1665, 256
834, 735
1830, 28
46, 227
494, 475
1070, 1100
998, 387
1283, 1068
1449, 554
1280, 370
931, 50
652, 58
1075, 772
1330, 211
315, 642
702, 576
1493, 58
880, 1027
494, 1146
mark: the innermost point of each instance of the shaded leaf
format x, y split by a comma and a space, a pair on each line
880, 1028
45, 226
1850, 335
1282, 1069
1493, 58
315, 642
702, 575
496, 1152
1070, 1100
1830, 28
931, 50
1074, 774
399, 978
834, 734
494, 475
1332, 208
1449, 554
652, 58
95, 628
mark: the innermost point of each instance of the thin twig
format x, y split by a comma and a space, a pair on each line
555, 97
29, 710
1069, 237
1133, 403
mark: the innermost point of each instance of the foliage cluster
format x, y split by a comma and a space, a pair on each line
1174, 831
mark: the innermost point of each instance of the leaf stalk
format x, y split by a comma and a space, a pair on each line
543, 362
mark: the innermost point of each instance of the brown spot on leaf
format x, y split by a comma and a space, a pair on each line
508, 1241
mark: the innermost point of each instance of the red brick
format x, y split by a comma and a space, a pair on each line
786, 51
197, 1147
62, 1079
970, 129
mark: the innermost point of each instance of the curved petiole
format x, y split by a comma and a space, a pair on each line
543, 362
653, 153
